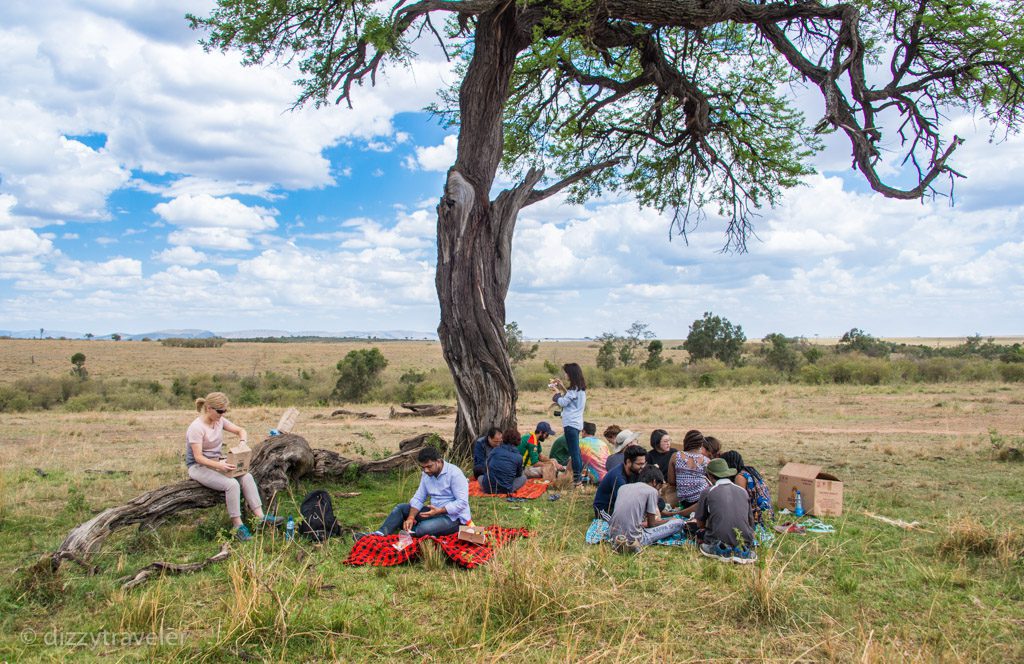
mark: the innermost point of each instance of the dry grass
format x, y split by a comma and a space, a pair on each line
813, 598
969, 537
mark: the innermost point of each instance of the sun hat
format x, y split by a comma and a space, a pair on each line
625, 437
719, 468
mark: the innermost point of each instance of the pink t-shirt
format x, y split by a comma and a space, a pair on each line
210, 437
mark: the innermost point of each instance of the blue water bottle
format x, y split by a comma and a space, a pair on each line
799, 509
289, 530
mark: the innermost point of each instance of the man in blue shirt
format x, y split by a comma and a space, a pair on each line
503, 468
635, 460
482, 446
448, 490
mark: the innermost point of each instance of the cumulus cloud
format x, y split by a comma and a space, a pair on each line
434, 158
182, 255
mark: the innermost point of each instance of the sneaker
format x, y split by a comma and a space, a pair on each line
743, 555
269, 520
718, 551
358, 536
242, 533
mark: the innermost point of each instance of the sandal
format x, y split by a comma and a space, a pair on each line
818, 526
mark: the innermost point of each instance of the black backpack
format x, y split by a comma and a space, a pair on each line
318, 522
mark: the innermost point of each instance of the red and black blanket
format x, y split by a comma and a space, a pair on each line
379, 550
532, 489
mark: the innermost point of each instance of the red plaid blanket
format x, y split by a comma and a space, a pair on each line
532, 489
378, 550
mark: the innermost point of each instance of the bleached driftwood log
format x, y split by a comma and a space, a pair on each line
277, 462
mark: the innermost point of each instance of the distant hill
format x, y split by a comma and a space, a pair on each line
157, 335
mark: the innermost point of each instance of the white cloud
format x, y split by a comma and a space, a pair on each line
434, 158
182, 255
205, 211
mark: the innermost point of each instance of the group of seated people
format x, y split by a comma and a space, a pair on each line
642, 493
717, 491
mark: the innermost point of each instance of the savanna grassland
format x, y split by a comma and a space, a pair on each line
952, 590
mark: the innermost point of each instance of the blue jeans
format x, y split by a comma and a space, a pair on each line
486, 487
435, 525
572, 441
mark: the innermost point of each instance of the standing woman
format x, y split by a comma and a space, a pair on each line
572, 401
203, 442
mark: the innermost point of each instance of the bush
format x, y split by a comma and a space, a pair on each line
360, 372
1012, 373
208, 342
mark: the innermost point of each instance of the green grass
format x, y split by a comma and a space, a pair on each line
869, 592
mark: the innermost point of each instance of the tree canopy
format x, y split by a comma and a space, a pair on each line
684, 104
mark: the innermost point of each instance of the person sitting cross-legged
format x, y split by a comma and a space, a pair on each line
482, 446
532, 448
503, 469
636, 521
448, 490
724, 512
629, 472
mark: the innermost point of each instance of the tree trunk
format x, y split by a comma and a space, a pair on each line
474, 237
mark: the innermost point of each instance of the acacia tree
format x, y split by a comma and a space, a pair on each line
678, 103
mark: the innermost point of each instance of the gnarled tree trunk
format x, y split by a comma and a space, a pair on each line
474, 237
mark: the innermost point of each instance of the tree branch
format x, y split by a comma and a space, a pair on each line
538, 195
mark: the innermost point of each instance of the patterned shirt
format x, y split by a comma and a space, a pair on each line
691, 475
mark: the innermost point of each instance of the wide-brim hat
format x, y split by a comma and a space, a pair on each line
624, 438
720, 469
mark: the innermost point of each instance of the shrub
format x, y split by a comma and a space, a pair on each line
360, 372
208, 342
1012, 373
813, 374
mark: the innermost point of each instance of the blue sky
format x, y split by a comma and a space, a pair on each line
145, 184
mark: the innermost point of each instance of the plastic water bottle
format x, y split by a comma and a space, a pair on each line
799, 509
289, 530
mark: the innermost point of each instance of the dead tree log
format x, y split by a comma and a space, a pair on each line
422, 410
159, 568
362, 415
277, 462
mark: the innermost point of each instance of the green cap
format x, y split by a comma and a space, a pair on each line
719, 468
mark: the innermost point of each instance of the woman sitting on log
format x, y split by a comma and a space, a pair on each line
203, 442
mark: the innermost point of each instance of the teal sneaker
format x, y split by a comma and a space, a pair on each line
242, 533
269, 520
743, 555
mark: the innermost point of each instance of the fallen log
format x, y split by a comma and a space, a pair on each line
422, 410
362, 415
159, 568
277, 462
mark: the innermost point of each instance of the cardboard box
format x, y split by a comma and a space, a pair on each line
472, 534
241, 457
822, 493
